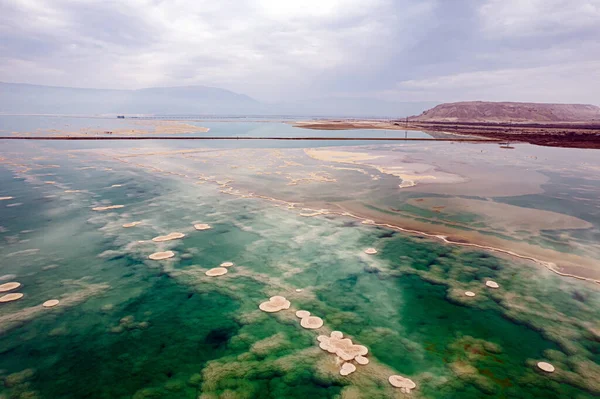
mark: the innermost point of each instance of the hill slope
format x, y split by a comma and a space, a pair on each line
481, 111
25, 98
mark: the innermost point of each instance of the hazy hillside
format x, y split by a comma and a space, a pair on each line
24, 98
480, 111
191, 100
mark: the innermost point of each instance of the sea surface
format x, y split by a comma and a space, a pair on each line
295, 219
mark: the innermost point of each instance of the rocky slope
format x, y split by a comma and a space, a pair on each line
481, 111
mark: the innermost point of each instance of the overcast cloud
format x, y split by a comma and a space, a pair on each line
402, 50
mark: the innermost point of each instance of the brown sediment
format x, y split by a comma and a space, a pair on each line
168, 237
217, 271
162, 255
105, 208
11, 297
9, 286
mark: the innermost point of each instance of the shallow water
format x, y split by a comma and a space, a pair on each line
129, 327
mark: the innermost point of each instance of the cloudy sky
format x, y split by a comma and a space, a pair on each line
402, 50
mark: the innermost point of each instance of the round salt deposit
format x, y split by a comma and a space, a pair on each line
9, 286
50, 303
492, 284
547, 367
217, 271
11, 297
370, 251
469, 293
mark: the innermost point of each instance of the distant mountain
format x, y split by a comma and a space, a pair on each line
25, 98
481, 111
20, 98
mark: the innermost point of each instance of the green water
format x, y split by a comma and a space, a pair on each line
144, 329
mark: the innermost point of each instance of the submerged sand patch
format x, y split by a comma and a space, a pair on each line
106, 208
9, 286
11, 297
168, 237
162, 255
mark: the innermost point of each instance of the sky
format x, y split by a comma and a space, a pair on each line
274, 50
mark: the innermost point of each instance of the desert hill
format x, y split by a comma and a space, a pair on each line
482, 111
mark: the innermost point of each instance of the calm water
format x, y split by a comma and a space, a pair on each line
130, 327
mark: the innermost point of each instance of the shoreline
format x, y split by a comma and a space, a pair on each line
568, 135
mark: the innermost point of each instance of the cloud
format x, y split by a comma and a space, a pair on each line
286, 50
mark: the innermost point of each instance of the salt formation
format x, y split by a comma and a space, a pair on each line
469, 293
301, 314
132, 224
50, 303
311, 322
342, 347
299, 290
5, 198
217, 271
9, 286
406, 385
168, 237
547, 367
162, 255
11, 297
492, 284
226, 264
106, 208
347, 368
275, 304
370, 251
361, 360
202, 226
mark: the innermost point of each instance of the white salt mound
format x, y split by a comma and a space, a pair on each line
347, 369
11, 297
132, 224
370, 251
311, 322
162, 255
9, 286
217, 271
226, 264
302, 314
50, 303
361, 360
492, 284
275, 304
168, 237
469, 293
406, 385
547, 367
202, 226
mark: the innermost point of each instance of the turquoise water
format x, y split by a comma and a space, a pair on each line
129, 327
